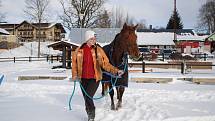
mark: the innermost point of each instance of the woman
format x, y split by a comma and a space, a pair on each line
87, 63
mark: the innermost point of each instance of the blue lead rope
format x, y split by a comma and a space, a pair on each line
1, 79
92, 98
95, 98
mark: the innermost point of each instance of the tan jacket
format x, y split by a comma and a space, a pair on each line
99, 63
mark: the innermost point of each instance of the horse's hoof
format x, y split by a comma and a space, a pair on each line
119, 105
112, 107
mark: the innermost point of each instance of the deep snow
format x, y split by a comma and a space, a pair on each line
47, 100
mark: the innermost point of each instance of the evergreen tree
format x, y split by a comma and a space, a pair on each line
175, 16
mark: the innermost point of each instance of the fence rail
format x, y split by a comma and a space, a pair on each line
29, 59
183, 66
164, 56
179, 65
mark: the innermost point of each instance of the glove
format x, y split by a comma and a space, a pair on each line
120, 72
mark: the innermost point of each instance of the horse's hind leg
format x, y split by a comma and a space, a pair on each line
111, 96
120, 91
105, 86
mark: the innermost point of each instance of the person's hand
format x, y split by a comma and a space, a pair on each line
120, 72
74, 78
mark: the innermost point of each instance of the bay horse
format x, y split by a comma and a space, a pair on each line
124, 44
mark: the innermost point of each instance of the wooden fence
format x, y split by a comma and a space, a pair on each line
30, 59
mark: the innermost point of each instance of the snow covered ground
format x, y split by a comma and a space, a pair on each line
47, 100
28, 49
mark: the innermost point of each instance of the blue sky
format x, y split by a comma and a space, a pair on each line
154, 12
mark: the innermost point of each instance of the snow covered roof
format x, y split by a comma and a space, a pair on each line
152, 38
191, 38
211, 37
178, 31
62, 42
103, 35
4, 32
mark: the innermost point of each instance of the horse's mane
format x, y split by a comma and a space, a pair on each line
114, 41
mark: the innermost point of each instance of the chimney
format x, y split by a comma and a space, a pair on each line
150, 27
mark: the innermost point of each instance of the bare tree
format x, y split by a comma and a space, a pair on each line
118, 17
37, 11
2, 15
142, 24
207, 16
104, 20
81, 13
129, 20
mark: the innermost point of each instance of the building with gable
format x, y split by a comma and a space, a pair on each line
28, 32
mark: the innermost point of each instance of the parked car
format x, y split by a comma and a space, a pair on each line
166, 53
204, 55
155, 50
144, 50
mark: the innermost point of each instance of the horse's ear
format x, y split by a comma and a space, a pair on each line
135, 27
124, 26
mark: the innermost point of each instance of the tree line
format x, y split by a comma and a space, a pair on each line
92, 13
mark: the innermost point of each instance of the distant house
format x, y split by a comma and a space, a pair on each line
160, 40
187, 41
6, 40
3, 32
192, 44
211, 41
26, 31
177, 31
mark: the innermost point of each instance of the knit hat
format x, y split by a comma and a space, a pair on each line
89, 34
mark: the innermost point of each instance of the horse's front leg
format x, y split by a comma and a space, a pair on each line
103, 89
111, 96
120, 92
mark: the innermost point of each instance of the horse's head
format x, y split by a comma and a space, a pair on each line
130, 40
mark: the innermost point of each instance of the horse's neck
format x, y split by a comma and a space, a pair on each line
117, 54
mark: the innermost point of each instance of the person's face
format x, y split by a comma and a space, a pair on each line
91, 41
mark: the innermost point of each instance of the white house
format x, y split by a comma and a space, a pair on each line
159, 40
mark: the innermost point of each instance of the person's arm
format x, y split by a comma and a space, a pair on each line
74, 65
106, 65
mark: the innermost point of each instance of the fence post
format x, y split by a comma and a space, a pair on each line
182, 67
163, 56
57, 57
47, 58
205, 56
143, 67
14, 59
51, 58
29, 58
